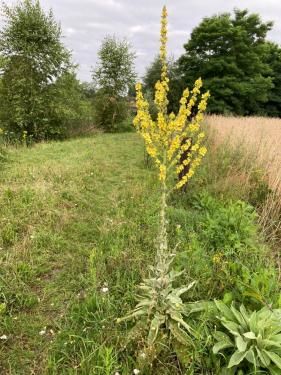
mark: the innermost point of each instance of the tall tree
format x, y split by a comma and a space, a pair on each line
35, 58
273, 58
229, 54
115, 69
113, 77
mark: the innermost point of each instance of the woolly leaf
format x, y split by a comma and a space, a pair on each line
236, 358
222, 345
276, 359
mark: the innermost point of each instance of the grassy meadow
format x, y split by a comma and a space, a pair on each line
78, 224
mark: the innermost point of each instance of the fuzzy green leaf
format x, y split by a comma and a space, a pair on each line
222, 345
179, 334
241, 344
225, 310
236, 358
276, 359
274, 370
156, 322
249, 335
263, 357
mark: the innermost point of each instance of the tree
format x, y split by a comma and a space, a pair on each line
229, 54
273, 58
35, 59
153, 74
113, 77
115, 69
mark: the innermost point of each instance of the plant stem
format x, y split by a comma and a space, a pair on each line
162, 264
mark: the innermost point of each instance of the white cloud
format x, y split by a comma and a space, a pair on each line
86, 22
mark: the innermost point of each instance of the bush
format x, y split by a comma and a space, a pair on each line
110, 112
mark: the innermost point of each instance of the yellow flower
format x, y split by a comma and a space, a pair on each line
173, 141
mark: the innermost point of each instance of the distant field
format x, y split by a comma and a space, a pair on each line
260, 135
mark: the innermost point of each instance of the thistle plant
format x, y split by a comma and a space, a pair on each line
174, 142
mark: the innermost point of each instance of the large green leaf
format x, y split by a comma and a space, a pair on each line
221, 336
180, 291
251, 357
249, 335
276, 359
179, 334
222, 345
236, 358
263, 357
241, 344
156, 323
232, 327
274, 370
239, 317
225, 310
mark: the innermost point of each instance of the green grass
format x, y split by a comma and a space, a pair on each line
60, 205
81, 215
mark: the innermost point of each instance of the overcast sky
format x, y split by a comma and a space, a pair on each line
86, 22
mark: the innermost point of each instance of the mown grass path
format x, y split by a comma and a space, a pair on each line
59, 202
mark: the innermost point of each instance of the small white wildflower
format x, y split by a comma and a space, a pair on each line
52, 332
105, 289
43, 332
136, 371
117, 373
52, 304
4, 337
142, 355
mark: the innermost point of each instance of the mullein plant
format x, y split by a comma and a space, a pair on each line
161, 311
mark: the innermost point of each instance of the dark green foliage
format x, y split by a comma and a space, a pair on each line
273, 58
34, 65
230, 53
110, 111
229, 227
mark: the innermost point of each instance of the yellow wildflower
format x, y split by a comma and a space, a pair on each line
172, 139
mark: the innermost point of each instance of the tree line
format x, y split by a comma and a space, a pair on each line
41, 97
240, 67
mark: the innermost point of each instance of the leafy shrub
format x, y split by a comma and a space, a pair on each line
110, 112
228, 227
250, 341
256, 286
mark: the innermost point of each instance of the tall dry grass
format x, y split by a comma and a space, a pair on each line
260, 140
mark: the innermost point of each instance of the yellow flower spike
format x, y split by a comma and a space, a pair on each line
172, 141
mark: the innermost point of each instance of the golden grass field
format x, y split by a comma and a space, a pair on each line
260, 139
260, 135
